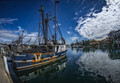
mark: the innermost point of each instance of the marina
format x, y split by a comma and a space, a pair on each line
55, 41
22, 56
79, 65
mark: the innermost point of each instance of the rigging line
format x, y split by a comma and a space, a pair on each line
39, 29
59, 29
35, 40
33, 15
56, 27
28, 41
34, 28
50, 30
30, 33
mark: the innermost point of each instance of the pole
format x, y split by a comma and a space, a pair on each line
21, 40
55, 19
39, 33
46, 34
42, 14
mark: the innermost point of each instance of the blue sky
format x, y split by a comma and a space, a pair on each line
78, 19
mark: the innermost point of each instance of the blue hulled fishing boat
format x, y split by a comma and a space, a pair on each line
46, 48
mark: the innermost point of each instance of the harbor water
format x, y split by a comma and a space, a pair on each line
80, 66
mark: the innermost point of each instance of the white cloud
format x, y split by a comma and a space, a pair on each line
54, 25
20, 29
31, 36
69, 32
7, 36
7, 20
100, 24
74, 38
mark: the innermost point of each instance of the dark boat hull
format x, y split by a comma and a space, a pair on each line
29, 65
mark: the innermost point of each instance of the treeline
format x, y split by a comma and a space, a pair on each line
83, 42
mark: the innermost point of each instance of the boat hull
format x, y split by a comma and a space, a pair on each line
33, 64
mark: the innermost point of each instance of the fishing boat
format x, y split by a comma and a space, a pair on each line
29, 74
47, 50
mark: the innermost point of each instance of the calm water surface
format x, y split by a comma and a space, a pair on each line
83, 66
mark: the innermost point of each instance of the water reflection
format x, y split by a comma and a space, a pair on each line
99, 63
82, 65
86, 49
44, 73
114, 54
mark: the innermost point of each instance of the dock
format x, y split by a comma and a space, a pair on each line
4, 77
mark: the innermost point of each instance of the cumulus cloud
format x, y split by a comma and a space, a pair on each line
54, 25
69, 32
7, 36
7, 20
20, 29
74, 38
31, 36
98, 25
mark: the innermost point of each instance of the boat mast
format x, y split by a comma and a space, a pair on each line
39, 32
46, 30
42, 13
22, 37
55, 19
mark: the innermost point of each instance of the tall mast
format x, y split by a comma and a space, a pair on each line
46, 30
55, 19
39, 32
22, 37
42, 13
